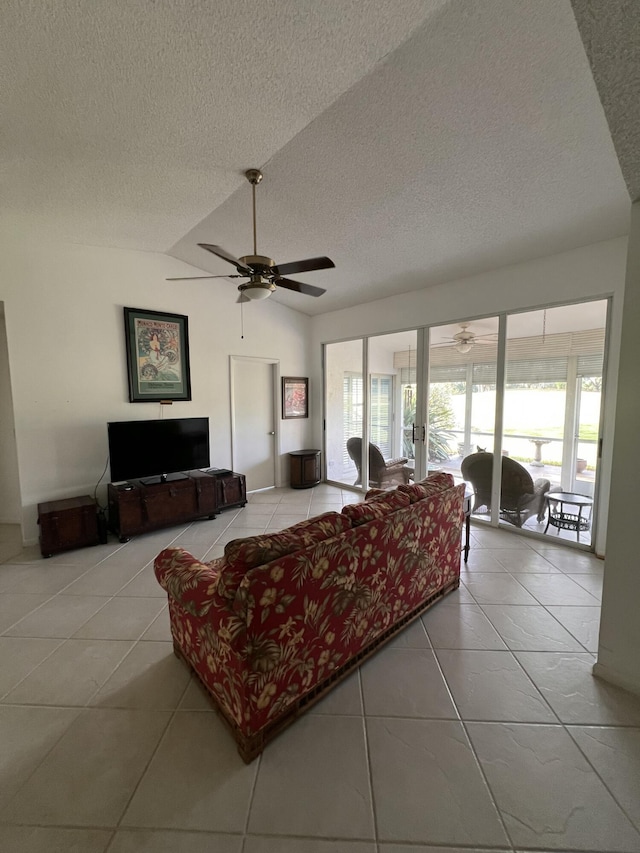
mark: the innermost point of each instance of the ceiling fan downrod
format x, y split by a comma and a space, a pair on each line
254, 176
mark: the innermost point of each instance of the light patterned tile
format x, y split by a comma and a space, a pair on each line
490, 685
582, 622
14, 606
27, 734
427, 785
301, 764
614, 753
71, 674
280, 844
525, 628
119, 742
150, 676
121, 619
469, 628
405, 683
19, 656
46, 839
215, 785
548, 794
171, 841
556, 589
569, 686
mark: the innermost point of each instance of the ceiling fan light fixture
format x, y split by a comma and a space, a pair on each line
258, 291
463, 347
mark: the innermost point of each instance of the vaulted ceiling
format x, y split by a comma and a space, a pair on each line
412, 141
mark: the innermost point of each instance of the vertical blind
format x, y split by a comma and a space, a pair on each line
381, 403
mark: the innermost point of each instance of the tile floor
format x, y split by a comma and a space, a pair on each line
480, 728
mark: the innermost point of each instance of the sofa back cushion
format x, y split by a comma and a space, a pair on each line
240, 555
439, 482
376, 507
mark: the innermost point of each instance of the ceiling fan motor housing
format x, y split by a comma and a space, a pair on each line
260, 264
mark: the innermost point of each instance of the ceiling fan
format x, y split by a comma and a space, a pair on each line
263, 273
464, 340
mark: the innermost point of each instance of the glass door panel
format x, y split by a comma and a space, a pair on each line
344, 411
461, 399
553, 383
392, 408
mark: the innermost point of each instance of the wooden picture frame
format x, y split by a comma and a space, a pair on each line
157, 355
295, 397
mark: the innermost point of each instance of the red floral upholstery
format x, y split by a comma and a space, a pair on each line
308, 616
377, 507
240, 555
191, 583
431, 486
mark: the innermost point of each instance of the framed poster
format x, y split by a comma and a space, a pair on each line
295, 397
157, 356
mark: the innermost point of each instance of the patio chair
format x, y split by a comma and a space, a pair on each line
381, 470
520, 497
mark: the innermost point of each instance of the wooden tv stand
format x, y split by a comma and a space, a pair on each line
140, 507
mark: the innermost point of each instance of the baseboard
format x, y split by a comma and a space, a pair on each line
609, 675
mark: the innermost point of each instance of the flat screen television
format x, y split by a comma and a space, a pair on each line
159, 450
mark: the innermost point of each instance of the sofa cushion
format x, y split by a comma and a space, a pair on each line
425, 488
240, 555
377, 507
376, 493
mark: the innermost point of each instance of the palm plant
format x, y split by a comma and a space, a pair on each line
441, 421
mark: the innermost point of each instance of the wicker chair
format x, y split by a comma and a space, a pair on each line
381, 470
520, 497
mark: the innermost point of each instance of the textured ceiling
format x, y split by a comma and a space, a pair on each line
611, 35
412, 141
124, 122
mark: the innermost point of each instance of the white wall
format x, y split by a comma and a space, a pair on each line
10, 510
65, 336
618, 651
592, 271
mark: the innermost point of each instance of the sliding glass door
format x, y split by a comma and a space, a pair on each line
344, 411
552, 408
461, 402
510, 404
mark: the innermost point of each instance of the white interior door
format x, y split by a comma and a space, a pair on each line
253, 392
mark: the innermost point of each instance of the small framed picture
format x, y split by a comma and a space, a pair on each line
295, 397
157, 355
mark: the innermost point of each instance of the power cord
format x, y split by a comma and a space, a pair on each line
102, 517
95, 491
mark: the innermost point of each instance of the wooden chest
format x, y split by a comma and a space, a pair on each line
231, 488
66, 524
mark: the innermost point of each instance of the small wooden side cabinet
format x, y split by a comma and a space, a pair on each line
304, 468
66, 524
231, 488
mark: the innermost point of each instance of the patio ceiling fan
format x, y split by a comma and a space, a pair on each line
464, 340
263, 273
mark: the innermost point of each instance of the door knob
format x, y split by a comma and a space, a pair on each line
273, 432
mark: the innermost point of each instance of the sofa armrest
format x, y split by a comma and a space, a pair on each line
194, 585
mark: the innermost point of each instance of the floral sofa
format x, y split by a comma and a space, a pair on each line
272, 625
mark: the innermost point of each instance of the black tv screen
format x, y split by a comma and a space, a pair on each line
149, 448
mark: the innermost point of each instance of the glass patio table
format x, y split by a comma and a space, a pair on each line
569, 520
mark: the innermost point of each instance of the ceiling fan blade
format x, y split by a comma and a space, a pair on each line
195, 277
307, 265
299, 287
222, 253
